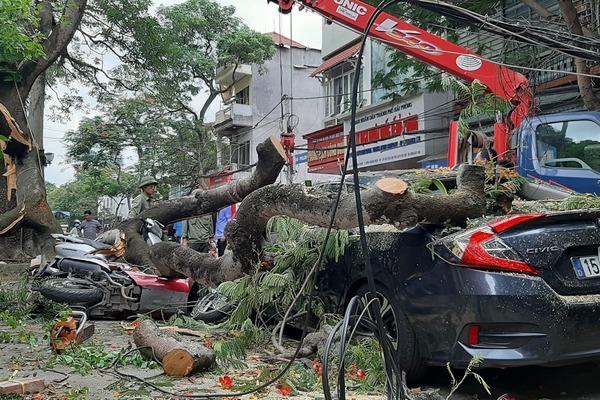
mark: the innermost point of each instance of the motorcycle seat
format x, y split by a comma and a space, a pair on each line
94, 244
81, 265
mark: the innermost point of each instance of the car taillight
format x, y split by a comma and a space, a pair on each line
473, 338
482, 248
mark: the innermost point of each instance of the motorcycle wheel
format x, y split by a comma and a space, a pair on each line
70, 292
212, 308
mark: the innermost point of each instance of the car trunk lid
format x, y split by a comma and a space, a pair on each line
563, 247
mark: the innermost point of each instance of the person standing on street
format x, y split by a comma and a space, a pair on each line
89, 228
222, 219
75, 231
196, 233
144, 200
178, 226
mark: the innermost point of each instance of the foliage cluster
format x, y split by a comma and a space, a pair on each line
296, 248
478, 102
19, 40
19, 307
365, 353
16, 301
148, 101
84, 357
83, 192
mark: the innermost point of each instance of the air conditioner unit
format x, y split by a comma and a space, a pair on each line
328, 123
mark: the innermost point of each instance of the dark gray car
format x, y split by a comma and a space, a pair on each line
519, 290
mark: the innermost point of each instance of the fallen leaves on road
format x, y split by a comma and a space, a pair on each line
226, 382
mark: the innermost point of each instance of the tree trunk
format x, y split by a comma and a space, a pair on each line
178, 357
389, 202
26, 220
585, 82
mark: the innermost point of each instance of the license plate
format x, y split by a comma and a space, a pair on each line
586, 267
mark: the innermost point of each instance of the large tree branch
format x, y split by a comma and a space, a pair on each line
271, 158
55, 44
81, 66
212, 95
389, 201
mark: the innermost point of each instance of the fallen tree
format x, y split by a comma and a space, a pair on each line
390, 201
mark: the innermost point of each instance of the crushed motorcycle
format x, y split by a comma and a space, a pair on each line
103, 287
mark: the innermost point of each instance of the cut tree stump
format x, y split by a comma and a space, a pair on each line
178, 357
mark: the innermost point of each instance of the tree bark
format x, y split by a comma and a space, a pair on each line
26, 220
389, 202
271, 158
178, 357
27, 208
584, 81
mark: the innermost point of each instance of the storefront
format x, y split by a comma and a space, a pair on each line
389, 136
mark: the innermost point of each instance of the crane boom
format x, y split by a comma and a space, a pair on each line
433, 50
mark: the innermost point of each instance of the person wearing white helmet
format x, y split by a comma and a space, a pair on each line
196, 233
75, 231
144, 200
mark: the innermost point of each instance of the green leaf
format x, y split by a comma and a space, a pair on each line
440, 186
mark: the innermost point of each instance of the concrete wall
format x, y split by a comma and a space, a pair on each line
288, 74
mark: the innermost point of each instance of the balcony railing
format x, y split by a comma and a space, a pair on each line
233, 119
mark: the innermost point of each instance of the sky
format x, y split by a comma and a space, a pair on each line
257, 14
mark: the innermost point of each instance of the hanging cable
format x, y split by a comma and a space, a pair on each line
393, 372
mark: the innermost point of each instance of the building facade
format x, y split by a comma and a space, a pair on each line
389, 135
277, 97
112, 210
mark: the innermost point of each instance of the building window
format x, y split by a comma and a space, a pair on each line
240, 153
569, 144
338, 89
243, 96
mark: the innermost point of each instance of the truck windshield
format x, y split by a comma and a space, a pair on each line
569, 144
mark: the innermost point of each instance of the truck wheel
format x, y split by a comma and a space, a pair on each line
398, 329
212, 308
70, 292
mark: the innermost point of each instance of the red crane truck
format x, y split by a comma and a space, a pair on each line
562, 149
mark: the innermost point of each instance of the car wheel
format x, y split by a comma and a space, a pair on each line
212, 308
397, 328
70, 292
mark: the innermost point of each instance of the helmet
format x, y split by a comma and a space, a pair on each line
77, 222
147, 180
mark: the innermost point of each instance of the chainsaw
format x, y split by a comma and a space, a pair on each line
70, 331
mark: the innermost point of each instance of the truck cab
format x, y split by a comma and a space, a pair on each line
561, 149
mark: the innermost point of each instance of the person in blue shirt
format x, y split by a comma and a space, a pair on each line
178, 226
222, 220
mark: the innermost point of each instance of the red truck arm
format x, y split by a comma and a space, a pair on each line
433, 50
